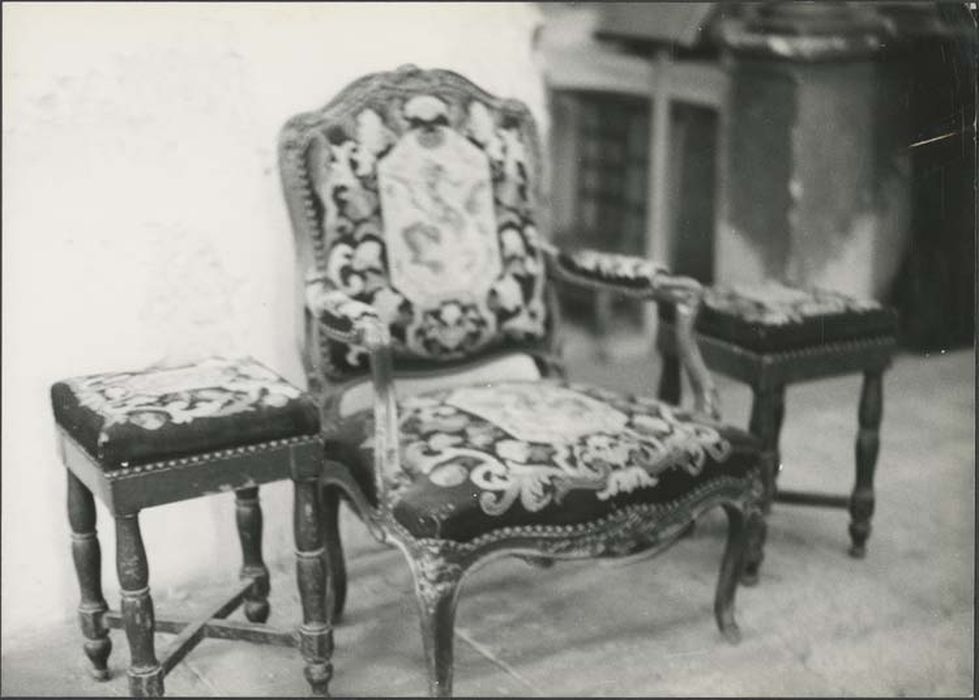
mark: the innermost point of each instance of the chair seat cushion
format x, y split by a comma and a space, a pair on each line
773, 317
478, 458
129, 418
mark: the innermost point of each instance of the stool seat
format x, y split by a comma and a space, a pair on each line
126, 419
773, 317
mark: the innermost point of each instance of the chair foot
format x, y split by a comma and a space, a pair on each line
731, 633
257, 610
859, 534
731, 568
436, 590
97, 651
318, 676
861, 511
146, 684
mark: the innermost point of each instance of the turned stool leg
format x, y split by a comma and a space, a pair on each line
315, 634
248, 514
334, 548
868, 442
87, 553
145, 672
602, 311
767, 411
670, 388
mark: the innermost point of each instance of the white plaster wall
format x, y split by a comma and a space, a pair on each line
143, 222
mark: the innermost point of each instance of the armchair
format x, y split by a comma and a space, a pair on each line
429, 341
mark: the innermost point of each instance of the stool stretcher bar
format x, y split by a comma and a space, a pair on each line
809, 498
212, 625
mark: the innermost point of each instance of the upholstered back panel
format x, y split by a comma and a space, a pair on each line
417, 192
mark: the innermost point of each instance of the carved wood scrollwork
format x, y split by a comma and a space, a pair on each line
439, 565
437, 574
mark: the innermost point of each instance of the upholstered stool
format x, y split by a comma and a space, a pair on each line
771, 335
143, 439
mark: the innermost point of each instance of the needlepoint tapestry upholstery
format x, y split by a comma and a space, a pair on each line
478, 458
771, 316
129, 418
775, 316
428, 199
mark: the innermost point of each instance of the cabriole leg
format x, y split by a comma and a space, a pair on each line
248, 515
145, 673
334, 548
87, 554
315, 633
868, 443
436, 589
756, 533
731, 566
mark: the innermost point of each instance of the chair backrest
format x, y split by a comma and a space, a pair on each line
417, 192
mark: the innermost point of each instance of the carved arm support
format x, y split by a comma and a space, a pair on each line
349, 321
639, 278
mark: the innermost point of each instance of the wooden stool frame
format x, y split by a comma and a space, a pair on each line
768, 374
129, 490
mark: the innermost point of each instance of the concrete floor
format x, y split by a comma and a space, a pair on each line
900, 622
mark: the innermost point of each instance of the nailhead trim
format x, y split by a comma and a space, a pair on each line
595, 527
195, 460
844, 346
840, 346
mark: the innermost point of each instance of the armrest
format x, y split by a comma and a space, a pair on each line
637, 277
628, 275
349, 321
343, 319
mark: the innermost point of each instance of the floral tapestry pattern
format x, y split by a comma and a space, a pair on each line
213, 388
534, 442
612, 268
775, 304
428, 216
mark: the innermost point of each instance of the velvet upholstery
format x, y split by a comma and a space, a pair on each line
130, 418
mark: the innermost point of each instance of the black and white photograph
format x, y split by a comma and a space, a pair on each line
488, 349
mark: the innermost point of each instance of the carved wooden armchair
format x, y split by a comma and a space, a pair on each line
429, 330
